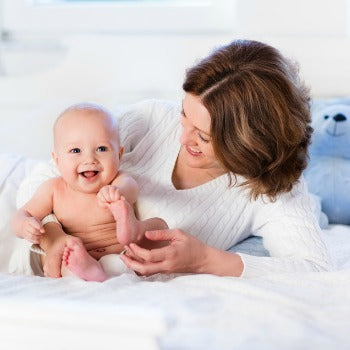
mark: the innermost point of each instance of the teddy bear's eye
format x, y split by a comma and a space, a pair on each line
326, 117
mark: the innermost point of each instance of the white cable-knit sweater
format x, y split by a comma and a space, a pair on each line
219, 215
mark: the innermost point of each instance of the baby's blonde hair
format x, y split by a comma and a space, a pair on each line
89, 107
93, 108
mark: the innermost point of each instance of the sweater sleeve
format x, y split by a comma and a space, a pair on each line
42, 172
136, 120
291, 234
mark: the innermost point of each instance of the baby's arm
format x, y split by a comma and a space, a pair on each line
26, 223
123, 185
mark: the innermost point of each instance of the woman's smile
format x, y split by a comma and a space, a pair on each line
192, 151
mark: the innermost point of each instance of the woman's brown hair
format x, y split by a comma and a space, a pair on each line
260, 114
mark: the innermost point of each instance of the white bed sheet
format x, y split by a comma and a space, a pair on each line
282, 311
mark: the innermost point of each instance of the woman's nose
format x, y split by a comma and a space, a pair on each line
187, 136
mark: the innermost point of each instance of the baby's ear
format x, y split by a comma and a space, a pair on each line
54, 157
121, 151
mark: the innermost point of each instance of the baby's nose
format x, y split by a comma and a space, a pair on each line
90, 159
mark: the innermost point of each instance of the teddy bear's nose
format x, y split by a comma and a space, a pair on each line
339, 117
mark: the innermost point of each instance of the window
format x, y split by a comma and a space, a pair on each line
47, 17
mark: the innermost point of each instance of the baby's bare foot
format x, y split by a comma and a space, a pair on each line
129, 229
81, 263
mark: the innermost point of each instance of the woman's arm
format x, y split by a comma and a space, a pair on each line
289, 230
292, 236
184, 254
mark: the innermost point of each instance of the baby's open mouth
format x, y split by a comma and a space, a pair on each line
88, 174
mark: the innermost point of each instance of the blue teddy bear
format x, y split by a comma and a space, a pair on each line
328, 171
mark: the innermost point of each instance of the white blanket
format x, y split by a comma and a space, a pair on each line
298, 311
13, 168
284, 311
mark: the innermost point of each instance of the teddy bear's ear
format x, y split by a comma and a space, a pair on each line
317, 105
340, 101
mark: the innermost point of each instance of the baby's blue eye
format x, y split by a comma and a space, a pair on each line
75, 150
102, 149
326, 117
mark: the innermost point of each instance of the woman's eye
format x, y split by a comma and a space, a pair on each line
102, 149
75, 150
202, 138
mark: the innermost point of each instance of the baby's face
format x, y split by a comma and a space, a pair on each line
87, 150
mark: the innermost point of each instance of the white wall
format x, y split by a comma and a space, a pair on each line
315, 33
113, 70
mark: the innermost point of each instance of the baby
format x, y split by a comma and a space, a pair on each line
92, 198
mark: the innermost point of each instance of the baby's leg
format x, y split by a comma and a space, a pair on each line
129, 228
81, 263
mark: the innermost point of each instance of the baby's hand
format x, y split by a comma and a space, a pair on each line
32, 230
107, 195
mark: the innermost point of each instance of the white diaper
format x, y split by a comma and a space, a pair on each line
113, 265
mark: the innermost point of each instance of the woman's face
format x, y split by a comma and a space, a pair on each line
196, 139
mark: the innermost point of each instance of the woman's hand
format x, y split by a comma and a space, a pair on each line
184, 253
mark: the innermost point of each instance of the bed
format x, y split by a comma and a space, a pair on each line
281, 311
289, 311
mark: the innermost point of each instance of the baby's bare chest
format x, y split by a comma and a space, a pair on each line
80, 212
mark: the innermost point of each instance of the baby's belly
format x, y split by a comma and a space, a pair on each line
98, 253
99, 240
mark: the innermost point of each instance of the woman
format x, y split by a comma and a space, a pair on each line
236, 172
